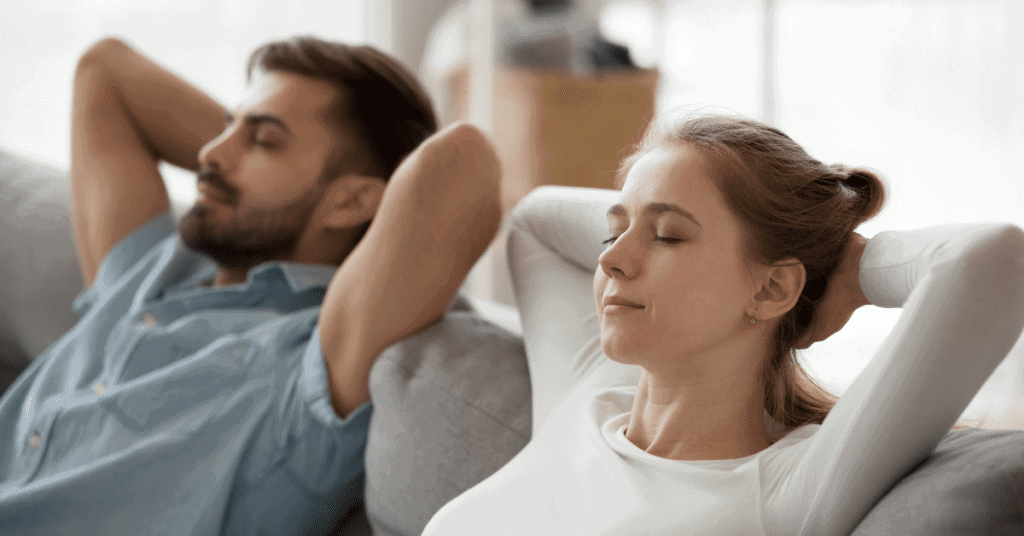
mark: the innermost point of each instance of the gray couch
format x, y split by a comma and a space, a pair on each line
452, 404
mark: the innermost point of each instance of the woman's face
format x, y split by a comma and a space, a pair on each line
674, 281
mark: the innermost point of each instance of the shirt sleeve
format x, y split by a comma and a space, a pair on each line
120, 259
555, 237
325, 449
304, 465
962, 293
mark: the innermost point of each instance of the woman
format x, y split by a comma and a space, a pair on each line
727, 248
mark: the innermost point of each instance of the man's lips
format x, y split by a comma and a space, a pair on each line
210, 192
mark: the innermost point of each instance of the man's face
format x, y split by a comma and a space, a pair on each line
262, 178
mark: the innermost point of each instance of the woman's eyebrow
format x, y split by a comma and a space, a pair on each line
617, 210
654, 208
658, 208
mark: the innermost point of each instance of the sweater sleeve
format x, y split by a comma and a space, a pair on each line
555, 237
962, 292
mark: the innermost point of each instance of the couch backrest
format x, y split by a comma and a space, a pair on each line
39, 275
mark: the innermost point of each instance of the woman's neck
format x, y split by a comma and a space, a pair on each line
706, 419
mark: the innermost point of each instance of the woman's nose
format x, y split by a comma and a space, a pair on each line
619, 260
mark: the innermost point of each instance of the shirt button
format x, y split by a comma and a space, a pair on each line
34, 441
99, 389
148, 319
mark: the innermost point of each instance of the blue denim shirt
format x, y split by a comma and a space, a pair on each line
173, 407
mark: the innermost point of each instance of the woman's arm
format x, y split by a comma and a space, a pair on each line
555, 237
962, 291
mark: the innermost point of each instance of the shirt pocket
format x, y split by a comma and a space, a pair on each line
87, 436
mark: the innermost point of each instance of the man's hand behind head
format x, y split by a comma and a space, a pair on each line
439, 212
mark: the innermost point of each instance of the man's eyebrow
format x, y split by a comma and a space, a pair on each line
256, 119
655, 208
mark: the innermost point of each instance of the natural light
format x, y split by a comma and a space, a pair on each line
926, 92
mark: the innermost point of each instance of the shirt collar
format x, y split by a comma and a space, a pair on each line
300, 277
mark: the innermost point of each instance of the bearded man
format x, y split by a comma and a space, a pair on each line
217, 382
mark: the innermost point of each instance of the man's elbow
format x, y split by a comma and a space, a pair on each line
100, 55
482, 173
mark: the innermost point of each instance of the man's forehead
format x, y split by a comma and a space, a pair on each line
290, 96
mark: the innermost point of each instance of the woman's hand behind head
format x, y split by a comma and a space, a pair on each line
842, 296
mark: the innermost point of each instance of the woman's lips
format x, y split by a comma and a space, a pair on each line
619, 300
618, 304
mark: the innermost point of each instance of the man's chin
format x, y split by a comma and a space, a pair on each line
228, 246
194, 224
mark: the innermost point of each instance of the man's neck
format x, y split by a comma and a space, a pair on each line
323, 248
230, 276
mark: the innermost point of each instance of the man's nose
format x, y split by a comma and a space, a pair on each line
215, 154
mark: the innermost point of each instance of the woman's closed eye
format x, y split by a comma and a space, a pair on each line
667, 236
658, 237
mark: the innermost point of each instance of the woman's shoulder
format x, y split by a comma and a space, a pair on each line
796, 436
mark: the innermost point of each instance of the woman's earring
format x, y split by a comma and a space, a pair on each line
753, 321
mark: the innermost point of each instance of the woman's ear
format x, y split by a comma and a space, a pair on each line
780, 289
351, 200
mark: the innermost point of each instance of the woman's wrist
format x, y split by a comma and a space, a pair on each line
855, 250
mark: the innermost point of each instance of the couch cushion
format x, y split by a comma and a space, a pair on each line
972, 484
39, 274
451, 405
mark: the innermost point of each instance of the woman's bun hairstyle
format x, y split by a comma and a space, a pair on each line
866, 189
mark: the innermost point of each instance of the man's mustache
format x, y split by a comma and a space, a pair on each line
215, 180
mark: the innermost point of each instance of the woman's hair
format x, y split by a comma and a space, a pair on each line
790, 206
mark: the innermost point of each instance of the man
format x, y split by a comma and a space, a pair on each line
205, 390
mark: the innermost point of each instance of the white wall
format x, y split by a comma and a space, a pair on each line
206, 41
930, 93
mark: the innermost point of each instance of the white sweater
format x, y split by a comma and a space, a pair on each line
962, 292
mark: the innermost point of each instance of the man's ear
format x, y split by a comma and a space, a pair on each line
351, 200
781, 285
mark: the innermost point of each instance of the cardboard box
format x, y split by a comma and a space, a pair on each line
556, 128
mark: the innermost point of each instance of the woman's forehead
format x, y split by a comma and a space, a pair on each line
672, 173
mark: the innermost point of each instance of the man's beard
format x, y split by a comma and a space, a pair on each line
248, 237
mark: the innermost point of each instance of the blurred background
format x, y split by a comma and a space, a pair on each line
930, 93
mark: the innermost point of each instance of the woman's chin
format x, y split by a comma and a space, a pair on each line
619, 352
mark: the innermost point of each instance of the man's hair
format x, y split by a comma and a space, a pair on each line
379, 100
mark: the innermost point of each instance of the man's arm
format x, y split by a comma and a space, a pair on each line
127, 114
439, 212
